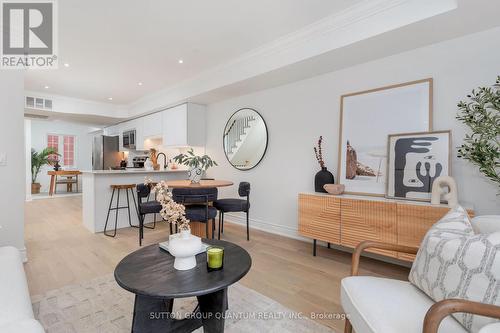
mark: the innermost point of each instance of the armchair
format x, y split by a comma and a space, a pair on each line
384, 305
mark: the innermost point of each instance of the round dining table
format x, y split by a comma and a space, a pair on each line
206, 183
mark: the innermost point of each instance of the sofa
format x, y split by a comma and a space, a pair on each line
381, 305
16, 312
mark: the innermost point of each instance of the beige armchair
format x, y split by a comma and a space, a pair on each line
380, 305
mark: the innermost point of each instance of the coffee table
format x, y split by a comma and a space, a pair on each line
149, 273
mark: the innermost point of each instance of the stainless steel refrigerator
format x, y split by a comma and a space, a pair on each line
106, 152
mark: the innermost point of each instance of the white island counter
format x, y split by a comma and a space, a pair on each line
97, 194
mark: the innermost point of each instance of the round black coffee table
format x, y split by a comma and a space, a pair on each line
149, 273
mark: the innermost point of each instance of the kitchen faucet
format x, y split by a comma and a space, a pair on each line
165, 164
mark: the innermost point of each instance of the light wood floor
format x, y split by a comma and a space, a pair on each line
61, 252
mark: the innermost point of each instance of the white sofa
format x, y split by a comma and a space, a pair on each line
380, 305
16, 313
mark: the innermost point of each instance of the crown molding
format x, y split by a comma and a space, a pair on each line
361, 21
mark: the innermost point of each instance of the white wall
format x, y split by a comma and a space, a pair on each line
298, 113
27, 152
83, 151
12, 175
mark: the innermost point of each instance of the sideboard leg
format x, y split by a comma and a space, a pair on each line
314, 247
329, 245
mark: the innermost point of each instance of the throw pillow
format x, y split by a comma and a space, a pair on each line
453, 262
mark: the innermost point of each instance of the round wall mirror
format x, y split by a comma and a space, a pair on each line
245, 139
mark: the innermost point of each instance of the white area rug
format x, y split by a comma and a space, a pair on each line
100, 305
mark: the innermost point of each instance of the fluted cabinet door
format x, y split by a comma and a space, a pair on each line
413, 223
368, 220
319, 217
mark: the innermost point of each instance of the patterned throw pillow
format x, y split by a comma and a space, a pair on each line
453, 262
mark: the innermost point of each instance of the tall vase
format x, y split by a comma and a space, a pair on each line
184, 247
195, 175
323, 177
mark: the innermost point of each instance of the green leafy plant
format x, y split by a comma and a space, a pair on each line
193, 161
39, 159
481, 113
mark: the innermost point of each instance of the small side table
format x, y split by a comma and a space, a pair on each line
149, 273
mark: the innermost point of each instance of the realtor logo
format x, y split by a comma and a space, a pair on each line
29, 34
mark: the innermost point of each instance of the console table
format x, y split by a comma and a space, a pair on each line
347, 220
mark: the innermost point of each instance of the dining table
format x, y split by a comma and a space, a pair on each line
204, 183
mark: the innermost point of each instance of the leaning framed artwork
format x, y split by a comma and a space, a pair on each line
415, 160
366, 120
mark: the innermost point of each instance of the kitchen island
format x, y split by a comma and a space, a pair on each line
97, 194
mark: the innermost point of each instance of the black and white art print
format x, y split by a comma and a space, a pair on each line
415, 160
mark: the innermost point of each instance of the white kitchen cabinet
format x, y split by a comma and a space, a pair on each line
134, 124
152, 125
184, 125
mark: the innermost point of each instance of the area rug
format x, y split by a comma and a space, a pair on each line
100, 305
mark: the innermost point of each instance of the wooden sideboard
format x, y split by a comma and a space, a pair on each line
347, 220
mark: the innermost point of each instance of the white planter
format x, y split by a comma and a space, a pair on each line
184, 247
195, 174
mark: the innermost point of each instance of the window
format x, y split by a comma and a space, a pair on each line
64, 145
69, 150
53, 142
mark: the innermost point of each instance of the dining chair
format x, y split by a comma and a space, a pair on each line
235, 205
197, 202
144, 207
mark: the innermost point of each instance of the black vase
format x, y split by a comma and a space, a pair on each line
323, 177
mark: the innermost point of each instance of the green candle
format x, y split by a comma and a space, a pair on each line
215, 257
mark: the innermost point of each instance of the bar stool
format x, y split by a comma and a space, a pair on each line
125, 187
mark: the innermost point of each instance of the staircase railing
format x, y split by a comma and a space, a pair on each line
233, 135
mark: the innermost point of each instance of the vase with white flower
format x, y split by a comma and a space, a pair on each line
183, 246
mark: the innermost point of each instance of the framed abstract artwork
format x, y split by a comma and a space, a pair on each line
415, 160
366, 120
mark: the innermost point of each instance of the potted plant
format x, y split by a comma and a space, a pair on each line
196, 164
323, 176
38, 160
481, 113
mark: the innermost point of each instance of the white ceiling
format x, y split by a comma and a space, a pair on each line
114, 44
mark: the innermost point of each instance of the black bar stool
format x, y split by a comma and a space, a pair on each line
125, 187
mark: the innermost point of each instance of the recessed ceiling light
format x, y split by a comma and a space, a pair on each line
110, 98
181, 61
66, 64
139, 83
46, 87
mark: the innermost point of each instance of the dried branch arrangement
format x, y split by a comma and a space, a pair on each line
318, 152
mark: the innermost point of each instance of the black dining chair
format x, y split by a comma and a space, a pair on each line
144, 207
197, 202
235, 205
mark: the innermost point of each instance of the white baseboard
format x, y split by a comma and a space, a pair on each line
272, 228
24, 254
